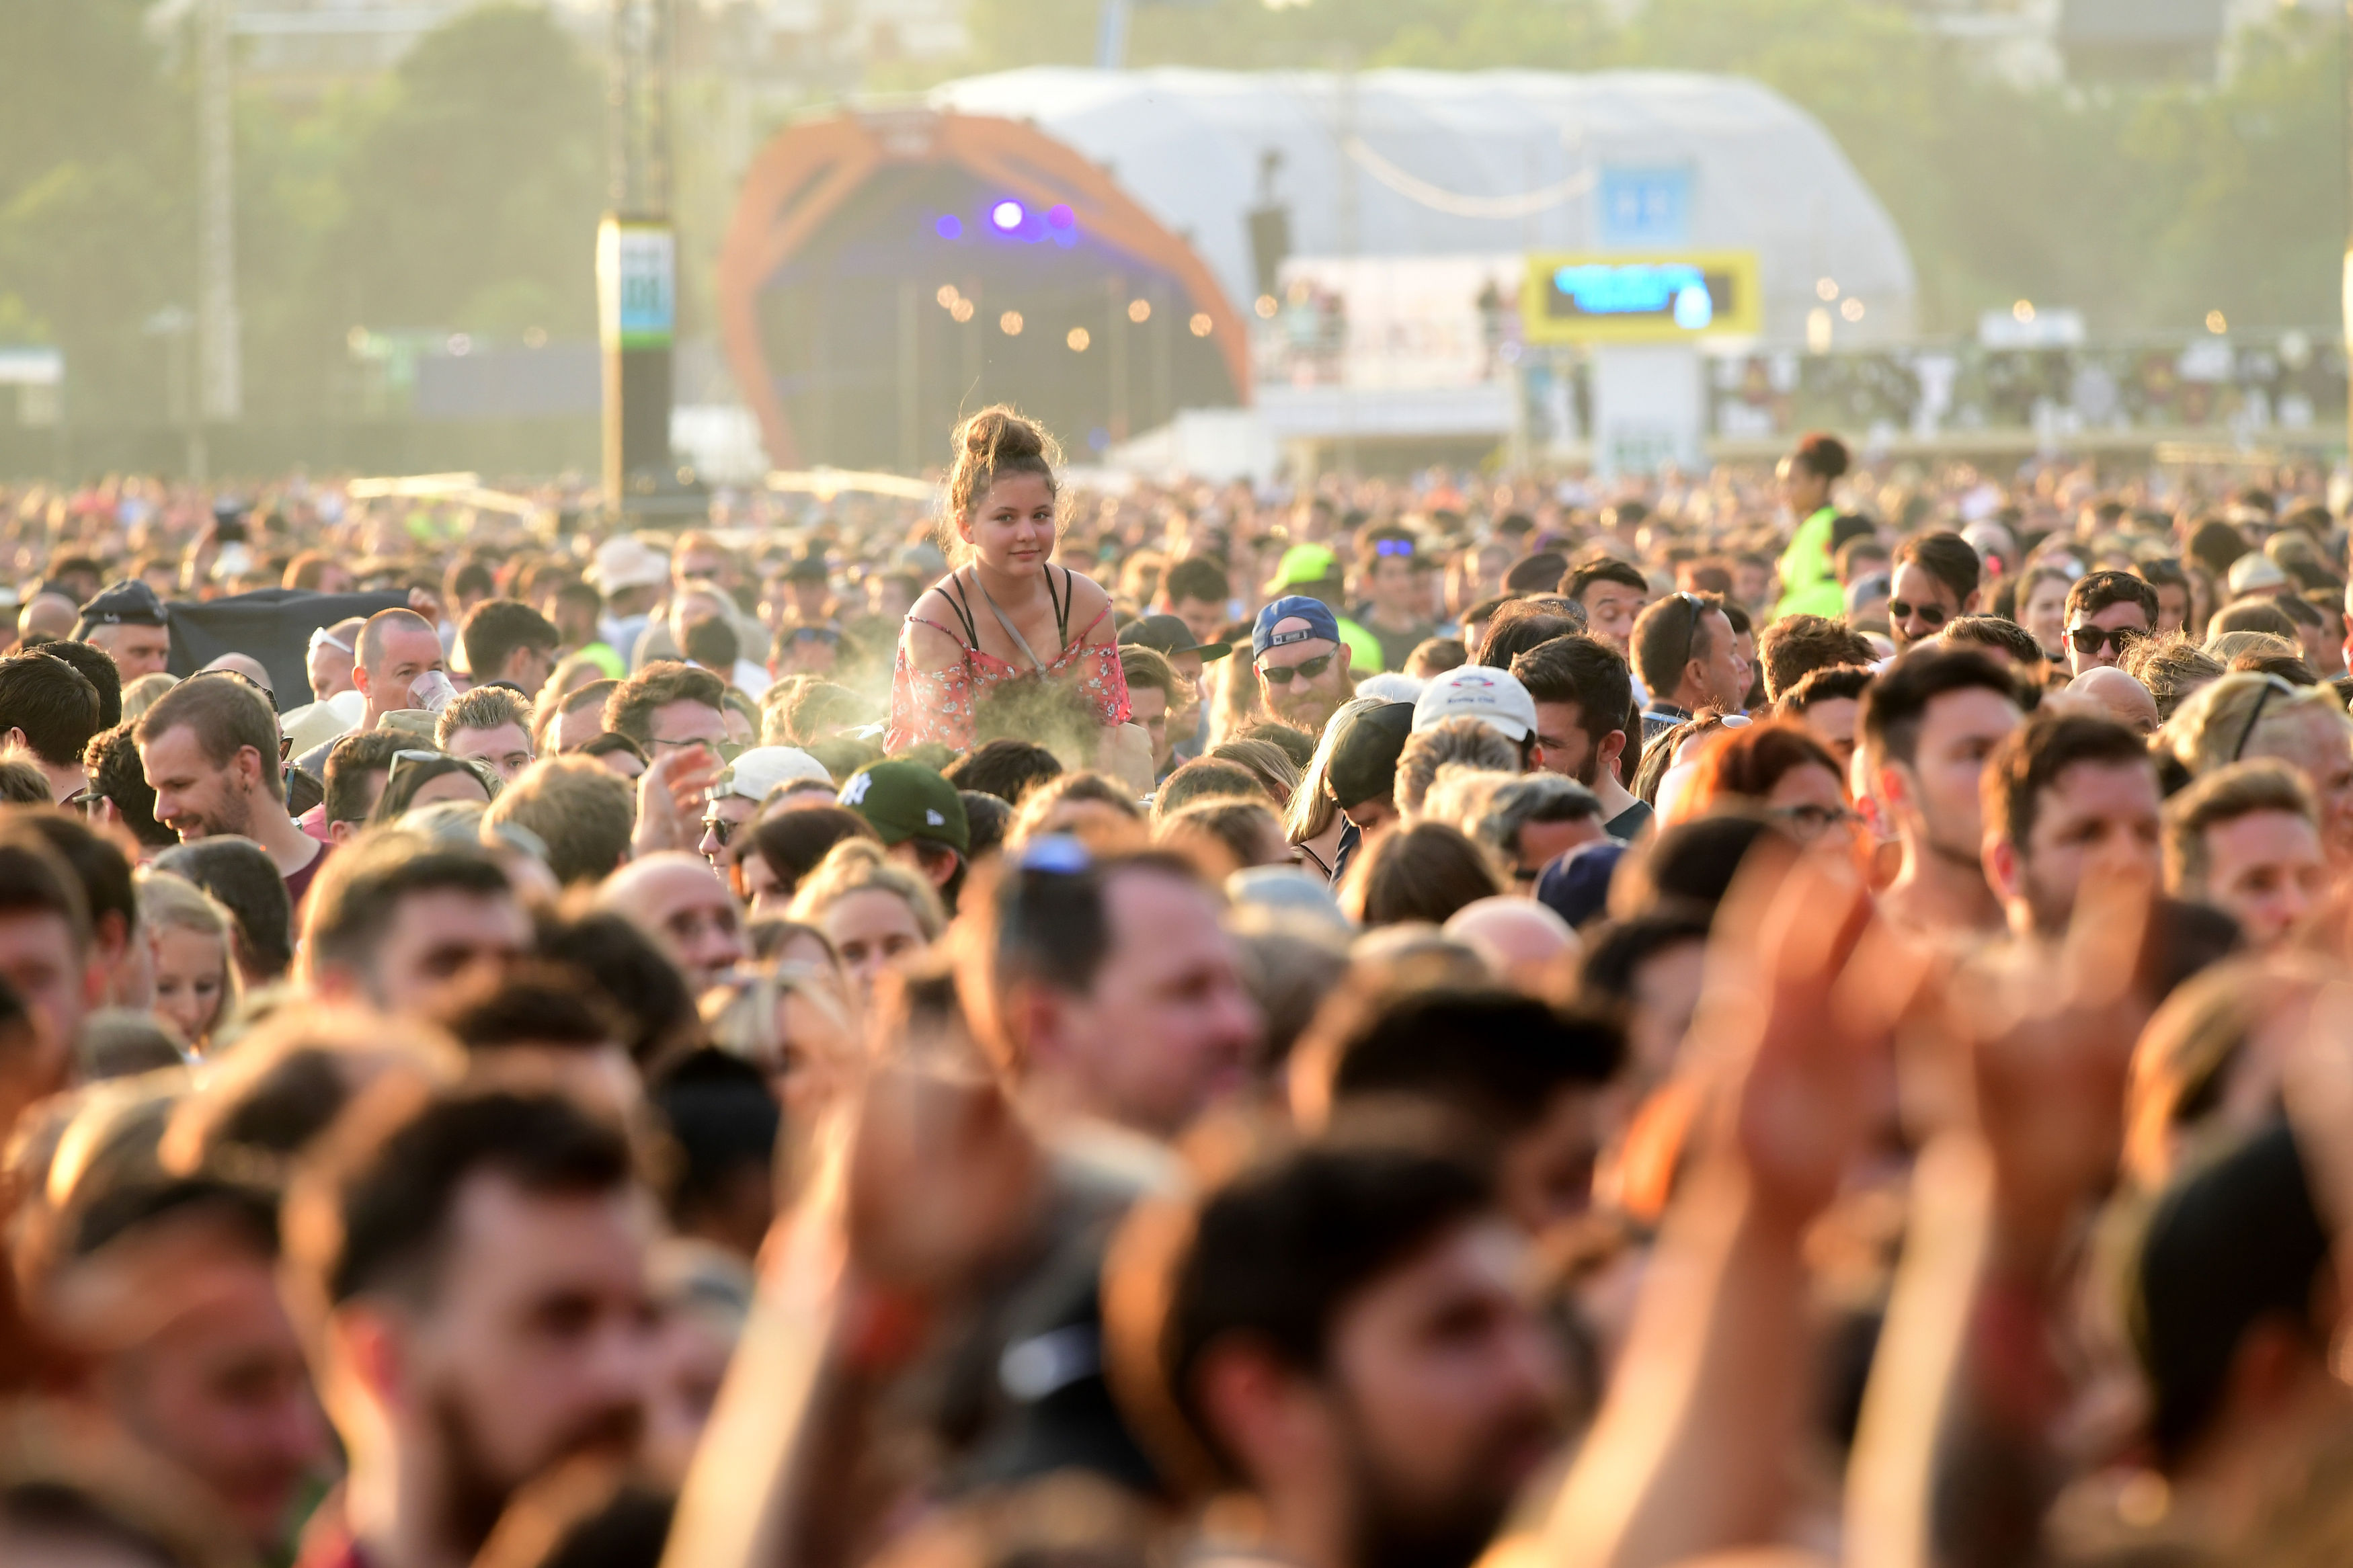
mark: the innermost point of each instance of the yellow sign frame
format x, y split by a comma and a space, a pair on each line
1745, 319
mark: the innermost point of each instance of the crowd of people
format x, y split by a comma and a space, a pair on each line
1775, 1019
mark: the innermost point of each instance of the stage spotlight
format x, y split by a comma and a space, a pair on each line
1006, 216
950, 226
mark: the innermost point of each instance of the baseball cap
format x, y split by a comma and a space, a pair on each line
130, 603
1317, 616
757, 771
627, 562
902, 800
1166, 634
1496, 696
1364, 754
1304, 563
2253, 573
1576, 886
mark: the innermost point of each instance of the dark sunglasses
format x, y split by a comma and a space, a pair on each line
1691, 633
816, 633
720, 829
2092, 639
1306, 670
1392, 547
1933, 615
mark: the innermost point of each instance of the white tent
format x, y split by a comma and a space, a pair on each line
1410, 163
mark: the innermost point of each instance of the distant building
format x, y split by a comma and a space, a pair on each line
2042, 41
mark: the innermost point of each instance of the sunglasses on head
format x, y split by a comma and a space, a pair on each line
1934, 616
1393, 547
1306, 670
2092, 639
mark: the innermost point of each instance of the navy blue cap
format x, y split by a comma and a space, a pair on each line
1576, 886
130, 603
1321, 623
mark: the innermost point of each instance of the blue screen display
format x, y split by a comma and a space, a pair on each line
1676, 290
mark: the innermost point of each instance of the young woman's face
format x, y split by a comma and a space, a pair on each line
191, 981
1011, 527
871, 929
2046, 612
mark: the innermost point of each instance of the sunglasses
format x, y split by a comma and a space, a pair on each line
1392, 547
1306, 670
2092, 639
816, 633
720, 829
728, 749
1934, 615
1691, 633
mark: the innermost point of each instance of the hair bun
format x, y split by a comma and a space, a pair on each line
997, 435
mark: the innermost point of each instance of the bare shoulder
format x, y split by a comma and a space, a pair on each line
1088, 600
929, 636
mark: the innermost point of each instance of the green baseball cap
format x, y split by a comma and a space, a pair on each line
1304, 563
907, 800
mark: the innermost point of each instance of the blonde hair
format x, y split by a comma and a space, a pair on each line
859, 865
140, 694
2221, 722
168, 903
1311, 805
993, 442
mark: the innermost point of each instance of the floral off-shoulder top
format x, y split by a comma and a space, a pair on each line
939, 704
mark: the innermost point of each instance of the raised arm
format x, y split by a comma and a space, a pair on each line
1690, 1452
1954, 1463
935, 1174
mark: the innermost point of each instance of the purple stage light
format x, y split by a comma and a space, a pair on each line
1007, 215
949, 227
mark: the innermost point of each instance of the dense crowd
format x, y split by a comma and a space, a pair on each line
1773, 1018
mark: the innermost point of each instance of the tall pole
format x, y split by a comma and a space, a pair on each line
637, 258
219, 369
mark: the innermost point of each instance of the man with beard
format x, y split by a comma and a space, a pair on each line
209, 747
2067, 796
469, 1266
169, 1298
1929, 723
1301, 664
1583, 695
1336, 1330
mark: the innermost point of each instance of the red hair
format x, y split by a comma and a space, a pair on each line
1752, 761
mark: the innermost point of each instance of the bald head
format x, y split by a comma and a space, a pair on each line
248, 666
676, 899
53, 613
2119, 696
396, 646
1519, 938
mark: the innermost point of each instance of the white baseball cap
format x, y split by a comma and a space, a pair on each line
627, 562
1495, 697
763, 768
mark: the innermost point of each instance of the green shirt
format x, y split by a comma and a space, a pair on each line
1808, 587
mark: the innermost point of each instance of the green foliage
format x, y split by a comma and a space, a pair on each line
461, 194
473, 185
